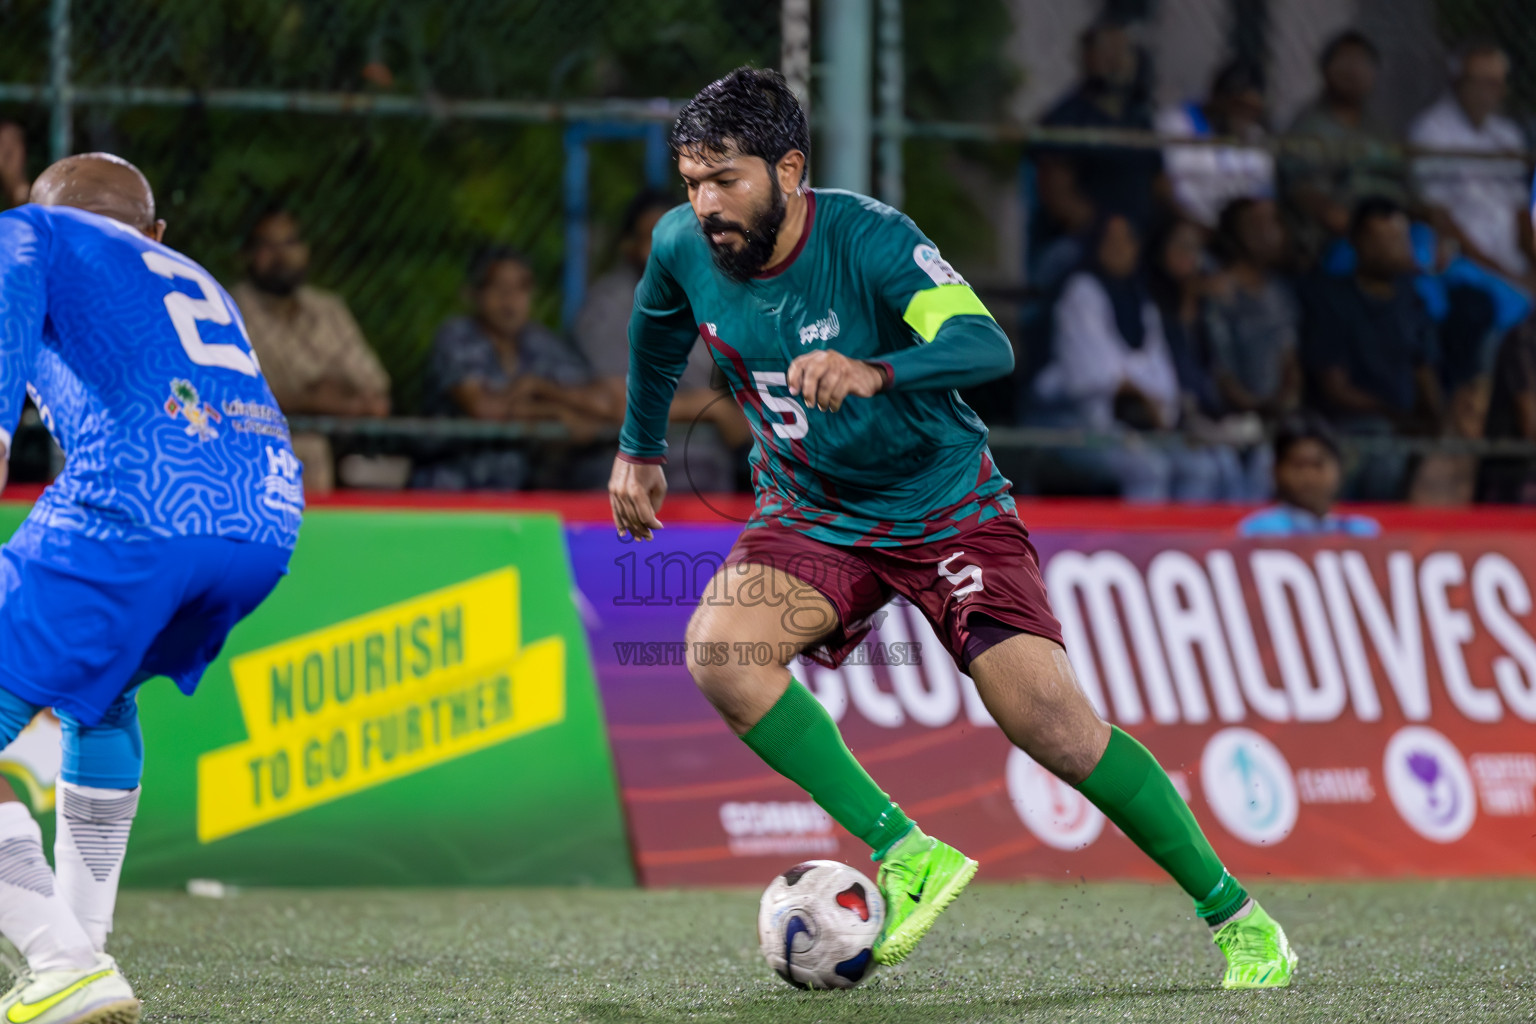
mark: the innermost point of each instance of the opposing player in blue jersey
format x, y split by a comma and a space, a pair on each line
174, 518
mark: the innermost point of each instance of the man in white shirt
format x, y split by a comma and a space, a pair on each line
1485, 198
1206, 178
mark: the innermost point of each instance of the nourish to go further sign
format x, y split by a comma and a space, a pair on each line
413, 705
377, 697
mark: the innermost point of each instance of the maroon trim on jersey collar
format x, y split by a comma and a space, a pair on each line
784, 264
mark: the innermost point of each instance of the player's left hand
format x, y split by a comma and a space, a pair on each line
824, 378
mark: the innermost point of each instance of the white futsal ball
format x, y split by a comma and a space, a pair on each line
818, 923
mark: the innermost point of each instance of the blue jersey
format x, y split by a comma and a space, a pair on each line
140, 367
1284, 520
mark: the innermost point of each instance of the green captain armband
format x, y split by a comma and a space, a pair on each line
931, 307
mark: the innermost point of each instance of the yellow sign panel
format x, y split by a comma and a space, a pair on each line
378, 697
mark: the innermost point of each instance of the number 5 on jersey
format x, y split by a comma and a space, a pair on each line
186, 311
799, 424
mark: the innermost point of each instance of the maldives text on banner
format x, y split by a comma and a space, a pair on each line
413, 705
1329, 708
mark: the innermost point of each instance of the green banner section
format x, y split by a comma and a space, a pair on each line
414, 705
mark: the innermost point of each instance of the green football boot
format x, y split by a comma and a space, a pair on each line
1258, 955
919, 877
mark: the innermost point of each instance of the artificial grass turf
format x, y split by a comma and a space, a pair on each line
1377, 951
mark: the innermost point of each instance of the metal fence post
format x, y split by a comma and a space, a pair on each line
892, 104
795, 48
575, 275
846, 28
61, 130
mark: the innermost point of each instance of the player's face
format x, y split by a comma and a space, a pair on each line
1308, 477
278, 256
505, 303
739, 206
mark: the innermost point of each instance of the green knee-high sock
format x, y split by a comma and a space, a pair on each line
1134, 792
800, 741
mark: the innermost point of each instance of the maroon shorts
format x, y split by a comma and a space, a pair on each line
976, 588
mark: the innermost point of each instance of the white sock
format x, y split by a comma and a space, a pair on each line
92, 837
33, 915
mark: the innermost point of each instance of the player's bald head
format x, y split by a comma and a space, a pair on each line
101, 183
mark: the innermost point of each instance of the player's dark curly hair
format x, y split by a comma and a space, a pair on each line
750, 108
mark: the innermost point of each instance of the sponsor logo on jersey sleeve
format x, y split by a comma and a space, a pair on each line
935, 266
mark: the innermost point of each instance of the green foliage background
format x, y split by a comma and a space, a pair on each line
395, 206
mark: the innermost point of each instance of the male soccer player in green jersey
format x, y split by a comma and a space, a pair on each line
844, 335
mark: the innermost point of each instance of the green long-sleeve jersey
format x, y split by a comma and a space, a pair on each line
909, 465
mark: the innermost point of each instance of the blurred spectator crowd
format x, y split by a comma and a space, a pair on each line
1215, 285
1186, 296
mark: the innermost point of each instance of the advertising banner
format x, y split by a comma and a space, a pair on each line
414, 704
1329, 708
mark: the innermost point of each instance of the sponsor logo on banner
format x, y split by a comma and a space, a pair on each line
1057, 814
1335, 785
758, 829
1505, 782
1429, 784
1267, 675
1181, 641
1248, 784
378, 697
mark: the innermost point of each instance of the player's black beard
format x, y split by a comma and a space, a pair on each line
761, 236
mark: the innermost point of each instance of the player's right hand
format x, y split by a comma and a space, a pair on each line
636, 491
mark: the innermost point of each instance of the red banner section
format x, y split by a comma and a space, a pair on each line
1342, 709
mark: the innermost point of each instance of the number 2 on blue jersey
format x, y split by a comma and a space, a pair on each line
185, 312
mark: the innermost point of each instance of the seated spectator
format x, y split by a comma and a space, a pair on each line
1205, 178
1307, 480
15, 186
1473, 308
1486, 200
1369, 348
1324, 183
1512, 417
312, 352
499, 364
1113, 93
1179, 287
1113, 371
708, 424
1073, 215
1252, 319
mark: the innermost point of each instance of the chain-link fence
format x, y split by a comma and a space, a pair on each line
403, 134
